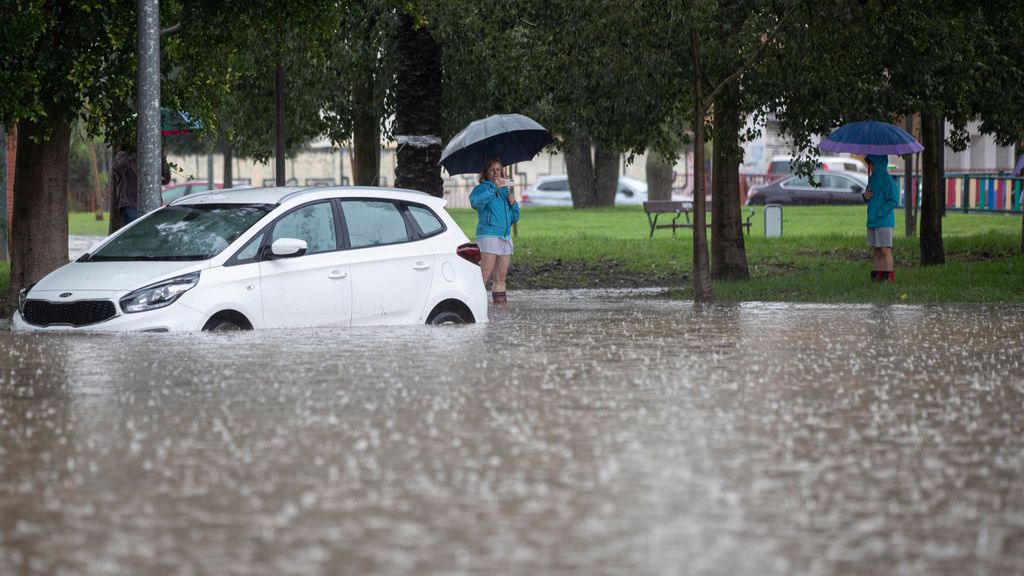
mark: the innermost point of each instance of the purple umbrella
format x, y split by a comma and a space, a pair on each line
1019, 166
871, 137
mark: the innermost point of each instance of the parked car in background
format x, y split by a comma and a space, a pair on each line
780, 165
172, 192
555, 191
266, 258
834, 187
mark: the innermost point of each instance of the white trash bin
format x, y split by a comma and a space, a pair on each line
773, 220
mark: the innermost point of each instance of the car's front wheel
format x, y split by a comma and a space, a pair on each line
227, 321
446, 318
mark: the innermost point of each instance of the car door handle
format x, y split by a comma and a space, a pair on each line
337, 275
420, 266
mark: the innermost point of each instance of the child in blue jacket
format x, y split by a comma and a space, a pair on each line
882, 198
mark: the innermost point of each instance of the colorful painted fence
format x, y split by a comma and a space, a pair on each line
975, 192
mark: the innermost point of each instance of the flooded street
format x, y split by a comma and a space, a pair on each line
577, 433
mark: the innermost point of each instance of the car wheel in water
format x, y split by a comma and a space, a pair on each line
222, 326
446, 318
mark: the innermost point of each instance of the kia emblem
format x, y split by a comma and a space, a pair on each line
65, 295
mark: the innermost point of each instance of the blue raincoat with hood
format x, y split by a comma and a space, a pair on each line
495, 215
884, 195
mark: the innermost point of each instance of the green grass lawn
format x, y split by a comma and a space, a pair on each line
821, 256
86, 224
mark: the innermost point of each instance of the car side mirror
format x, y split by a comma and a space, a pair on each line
857, 189
288, 248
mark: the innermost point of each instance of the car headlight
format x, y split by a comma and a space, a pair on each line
159, 295
22, 296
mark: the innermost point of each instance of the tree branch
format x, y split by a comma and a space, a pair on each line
708, 101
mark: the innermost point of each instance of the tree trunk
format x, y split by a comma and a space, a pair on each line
606, 175
369, 105
39, 231
701, 273
933, 128
279, 127
728, 254
418, 109
659, 177
3, 194
365, 133
579, 167
229, 168
593, 172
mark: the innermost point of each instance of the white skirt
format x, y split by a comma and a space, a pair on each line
495, 245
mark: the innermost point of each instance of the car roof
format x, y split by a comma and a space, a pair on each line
283, 194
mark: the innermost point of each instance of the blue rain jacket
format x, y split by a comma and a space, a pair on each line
494, 216
884, 195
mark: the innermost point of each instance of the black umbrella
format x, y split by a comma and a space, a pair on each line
509, 137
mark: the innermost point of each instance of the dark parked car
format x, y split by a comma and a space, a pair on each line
834, 187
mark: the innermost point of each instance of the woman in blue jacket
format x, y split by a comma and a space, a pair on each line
882, 198
497, 210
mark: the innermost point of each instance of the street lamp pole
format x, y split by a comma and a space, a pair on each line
148, 82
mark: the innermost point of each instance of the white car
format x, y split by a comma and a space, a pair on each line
554, 191
273, 257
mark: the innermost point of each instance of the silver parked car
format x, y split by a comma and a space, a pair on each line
834, 187
554, 191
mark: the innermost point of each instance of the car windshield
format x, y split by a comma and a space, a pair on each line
186, 232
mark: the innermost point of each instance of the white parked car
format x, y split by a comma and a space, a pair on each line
554, 191
273, 257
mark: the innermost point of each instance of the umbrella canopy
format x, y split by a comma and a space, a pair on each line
509, 137
871, 137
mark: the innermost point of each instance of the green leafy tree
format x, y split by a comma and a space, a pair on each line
62, 59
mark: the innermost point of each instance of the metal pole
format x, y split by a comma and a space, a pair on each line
149, 104
209, 171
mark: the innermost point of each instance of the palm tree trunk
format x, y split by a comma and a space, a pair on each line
418, 109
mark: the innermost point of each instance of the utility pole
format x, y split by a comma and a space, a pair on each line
148, 82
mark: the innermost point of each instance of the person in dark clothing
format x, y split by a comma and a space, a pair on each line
126, 185
126, 182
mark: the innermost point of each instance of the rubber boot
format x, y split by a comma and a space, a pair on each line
499, 297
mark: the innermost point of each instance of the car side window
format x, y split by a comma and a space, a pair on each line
313, 223
428, 222
799, 182
373, 222
834, 182
624, 191
251, 250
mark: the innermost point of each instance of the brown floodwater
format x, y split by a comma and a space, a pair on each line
578, 433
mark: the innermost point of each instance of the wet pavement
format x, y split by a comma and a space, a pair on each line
578, 433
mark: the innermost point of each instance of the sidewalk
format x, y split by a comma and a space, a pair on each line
78, 245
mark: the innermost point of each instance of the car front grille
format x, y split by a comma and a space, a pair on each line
80, 313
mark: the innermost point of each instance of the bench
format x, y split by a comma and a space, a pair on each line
655, 208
